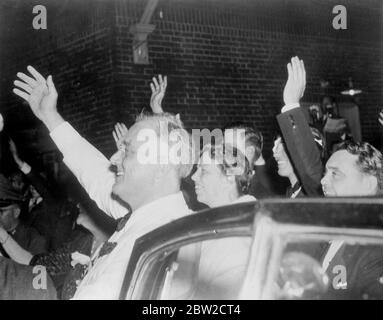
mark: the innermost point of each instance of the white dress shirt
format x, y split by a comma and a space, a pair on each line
90, 167
105, 277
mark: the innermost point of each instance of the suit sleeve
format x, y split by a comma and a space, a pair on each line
303, 152
90, 167
40, 184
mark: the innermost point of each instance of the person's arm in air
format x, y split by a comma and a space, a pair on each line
89, 165
296, 132
158, 88
34, 177
13, 249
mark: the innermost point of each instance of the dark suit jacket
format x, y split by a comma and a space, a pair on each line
49, 216
302, 150
364, 273
17, 282
29, 239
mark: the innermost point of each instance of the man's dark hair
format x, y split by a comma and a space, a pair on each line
370, 159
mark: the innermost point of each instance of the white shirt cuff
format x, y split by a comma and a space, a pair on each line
289, 107
260, 162
25, 168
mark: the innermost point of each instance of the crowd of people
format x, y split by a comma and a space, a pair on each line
89, 261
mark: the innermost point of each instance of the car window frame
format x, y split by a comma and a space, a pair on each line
217, 223
263, 268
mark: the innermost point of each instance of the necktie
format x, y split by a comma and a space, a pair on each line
109, 246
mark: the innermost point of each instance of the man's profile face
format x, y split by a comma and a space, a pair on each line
9, 216
343, 177
134, 178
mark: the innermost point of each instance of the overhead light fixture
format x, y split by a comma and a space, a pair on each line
351, 91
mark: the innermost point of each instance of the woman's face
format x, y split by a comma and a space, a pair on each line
211, 184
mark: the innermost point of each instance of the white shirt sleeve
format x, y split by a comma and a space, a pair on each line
90, 167
289, 107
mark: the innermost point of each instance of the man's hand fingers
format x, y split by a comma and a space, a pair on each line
293, 77
296, 70
32, 82
23, 86
152, 87
51, 86
381, 121
160, 79
119, 131
155, 83
21, 94
165, 82
124, 128
115, 137
289, 70
36, 74
303, 70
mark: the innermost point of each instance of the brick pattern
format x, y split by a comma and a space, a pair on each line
225, 61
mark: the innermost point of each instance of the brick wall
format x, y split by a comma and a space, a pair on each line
225, 61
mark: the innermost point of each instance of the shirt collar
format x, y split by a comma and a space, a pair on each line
245, 198
161, 211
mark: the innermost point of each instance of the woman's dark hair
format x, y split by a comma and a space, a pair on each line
232, 162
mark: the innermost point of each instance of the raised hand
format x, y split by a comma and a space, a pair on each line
39, 92
41, 95
381, 117
158, 92
119, 133
296, 81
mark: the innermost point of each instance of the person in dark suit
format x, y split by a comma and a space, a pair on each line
297, 140
261, 184
355, 169
302, 179
21, 282
10, 207
50, 215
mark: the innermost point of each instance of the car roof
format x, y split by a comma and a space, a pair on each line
359, 213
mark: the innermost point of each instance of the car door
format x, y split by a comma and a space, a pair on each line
317, 249
203, 256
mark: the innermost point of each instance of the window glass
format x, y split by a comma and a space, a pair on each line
329, 270
211, 269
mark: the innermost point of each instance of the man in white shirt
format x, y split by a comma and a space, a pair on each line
151, 189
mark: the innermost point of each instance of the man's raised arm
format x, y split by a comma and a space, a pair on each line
296, 132
88, 164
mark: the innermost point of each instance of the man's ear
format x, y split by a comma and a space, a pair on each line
249, 152
371, 184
